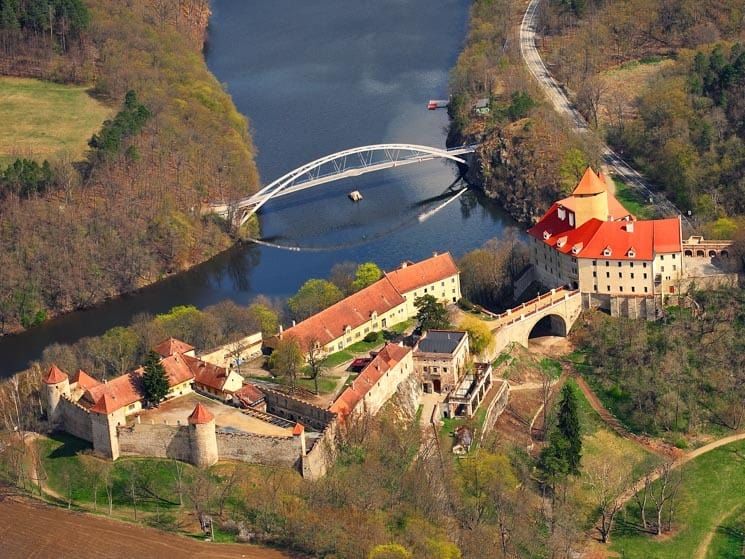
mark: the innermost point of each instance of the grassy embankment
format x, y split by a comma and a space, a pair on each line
709, 503
45, 120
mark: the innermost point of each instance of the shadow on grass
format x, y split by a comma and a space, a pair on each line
69, 445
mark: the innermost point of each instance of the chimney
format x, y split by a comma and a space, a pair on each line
630, 227
293, 323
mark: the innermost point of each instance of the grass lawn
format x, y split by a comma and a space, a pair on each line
632, 201
728, 539
44, 120
710, 501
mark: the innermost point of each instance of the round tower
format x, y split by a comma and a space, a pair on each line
203, 437
56, 385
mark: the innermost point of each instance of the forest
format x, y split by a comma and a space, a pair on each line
75, 233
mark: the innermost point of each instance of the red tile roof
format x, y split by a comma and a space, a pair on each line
119, 392
353, 311
55, 375
177, 369
206, 374
200, 415
249, 393
383, 362
84, 380
170, 346
413, 276
589, 184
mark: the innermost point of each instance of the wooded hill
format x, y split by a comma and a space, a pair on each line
683, 129
130, 213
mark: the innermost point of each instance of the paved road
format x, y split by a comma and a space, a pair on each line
562, 105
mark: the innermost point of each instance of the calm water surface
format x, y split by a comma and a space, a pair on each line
315, 78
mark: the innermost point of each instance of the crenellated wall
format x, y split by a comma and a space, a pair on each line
285, 406
75, 419
160, 440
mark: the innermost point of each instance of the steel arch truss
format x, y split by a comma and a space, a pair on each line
347, 163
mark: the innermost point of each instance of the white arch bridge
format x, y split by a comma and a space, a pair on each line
348, 163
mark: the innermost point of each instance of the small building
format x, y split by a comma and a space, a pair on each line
249, 396
213, 380
482, 107
470, 392
232, 355
440, 358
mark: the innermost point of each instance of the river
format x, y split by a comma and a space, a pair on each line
315, 78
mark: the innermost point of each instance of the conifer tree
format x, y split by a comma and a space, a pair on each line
154, 380
563, 454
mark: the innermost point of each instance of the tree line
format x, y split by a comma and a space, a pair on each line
76, 233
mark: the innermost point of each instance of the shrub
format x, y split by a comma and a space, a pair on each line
372, 337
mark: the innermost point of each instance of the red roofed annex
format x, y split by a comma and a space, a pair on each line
386, 302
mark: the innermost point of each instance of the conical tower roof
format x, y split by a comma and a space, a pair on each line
55, 375
200, 415
590, 184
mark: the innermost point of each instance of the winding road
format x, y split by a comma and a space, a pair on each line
558, 98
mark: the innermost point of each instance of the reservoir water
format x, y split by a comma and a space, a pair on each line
315, 78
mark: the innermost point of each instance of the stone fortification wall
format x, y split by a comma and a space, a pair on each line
714, 281
293, 409
161, 441
319, 459
75, 419
408, 395
259, 449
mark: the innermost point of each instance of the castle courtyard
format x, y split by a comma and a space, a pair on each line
226, 417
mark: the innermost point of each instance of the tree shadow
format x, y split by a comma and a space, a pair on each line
69, 447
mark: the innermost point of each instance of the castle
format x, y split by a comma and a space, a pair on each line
590, 242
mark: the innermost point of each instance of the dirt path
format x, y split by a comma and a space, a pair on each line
703, 547
32, 530
657, 447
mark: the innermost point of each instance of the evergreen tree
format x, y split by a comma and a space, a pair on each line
564, 451
431, 314
154, 380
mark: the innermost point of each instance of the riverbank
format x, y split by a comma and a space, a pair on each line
128, 217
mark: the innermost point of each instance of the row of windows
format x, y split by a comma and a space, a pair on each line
620, 275
620, 289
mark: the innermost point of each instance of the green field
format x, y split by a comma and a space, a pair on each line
710, 505
632, 200
44, 120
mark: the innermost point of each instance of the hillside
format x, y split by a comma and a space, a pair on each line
129, 213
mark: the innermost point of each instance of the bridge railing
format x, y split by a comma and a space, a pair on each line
534, 306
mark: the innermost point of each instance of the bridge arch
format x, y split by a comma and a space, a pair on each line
346, 163
549, 325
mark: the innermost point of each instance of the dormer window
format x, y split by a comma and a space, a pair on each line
562, 213
561, 242
546, 235
607, 251
577, 248
631, 253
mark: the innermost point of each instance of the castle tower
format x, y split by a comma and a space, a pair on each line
590, 198
203, 437
56, 385
105, 417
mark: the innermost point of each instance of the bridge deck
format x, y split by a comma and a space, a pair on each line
540, 303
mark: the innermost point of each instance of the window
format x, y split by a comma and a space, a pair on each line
633, 289
645, 289
675, 267
632, 275
645, 275
608, 287
644, 264
442, 284
434, 369
619, 263
607, 263
425, 368
631, 264
662, 268
594, 262
662, 256
620, 274
620, 288
594, 274
444, 369
673, 257
607, 274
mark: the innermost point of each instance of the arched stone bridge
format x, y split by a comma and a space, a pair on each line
347, 163
561, 306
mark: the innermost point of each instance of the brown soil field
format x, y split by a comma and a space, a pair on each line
33, 530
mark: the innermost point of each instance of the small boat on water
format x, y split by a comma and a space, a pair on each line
355, 196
